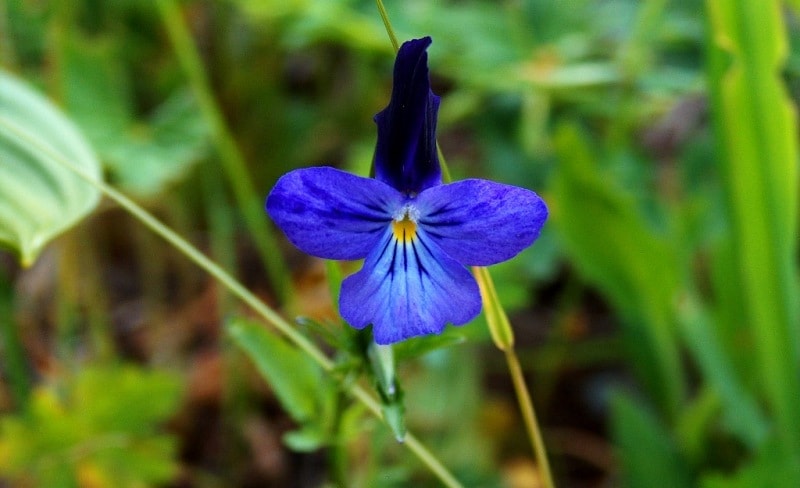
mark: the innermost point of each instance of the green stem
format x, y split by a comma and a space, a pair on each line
233, 164
503, 337
529, 417
239, 291
388, 25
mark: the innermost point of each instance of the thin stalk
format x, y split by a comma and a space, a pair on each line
230, 156
13, 351
239, 291
503, 337
388, 25
499, 325
529, 416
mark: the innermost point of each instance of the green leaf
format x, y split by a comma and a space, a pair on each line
613, 246
41, 198
382, 364
756, 129
741, 412
296, 380
649, 456
768, 469
419, 346
307, 439
143, 156
153, 155
381, 360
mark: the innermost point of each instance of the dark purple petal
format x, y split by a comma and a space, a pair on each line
408, 289
479, 222
405, 155
332, 214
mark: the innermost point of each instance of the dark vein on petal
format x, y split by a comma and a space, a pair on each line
439, 211
420, 267
405, 255
355, 216
394, 257
449, 223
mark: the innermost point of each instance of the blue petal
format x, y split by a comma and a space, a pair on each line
479, 222
405, 155
408, 289
332, 214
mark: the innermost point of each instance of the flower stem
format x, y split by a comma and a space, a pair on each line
388, 25
230, 156
503, 338
529, 417
239, 291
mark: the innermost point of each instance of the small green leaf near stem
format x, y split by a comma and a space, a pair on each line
529, 417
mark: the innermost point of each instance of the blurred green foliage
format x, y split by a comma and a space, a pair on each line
102, 427
663, 136
142, 157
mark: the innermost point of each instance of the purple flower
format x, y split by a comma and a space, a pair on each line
417, 235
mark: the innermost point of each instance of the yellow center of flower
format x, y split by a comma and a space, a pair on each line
404, 230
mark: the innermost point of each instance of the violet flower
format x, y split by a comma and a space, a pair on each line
417, 235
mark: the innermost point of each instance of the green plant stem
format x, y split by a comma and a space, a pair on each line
388, 25
529, 416
242, 293
233, 164
503, 337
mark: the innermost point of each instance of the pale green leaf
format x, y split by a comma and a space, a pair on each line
381, 360
40, 197
297, 382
